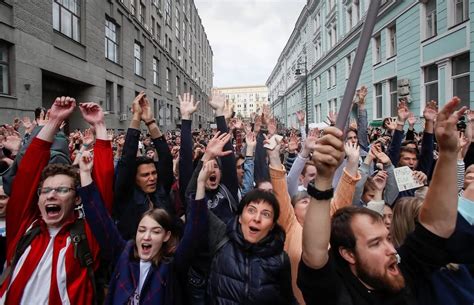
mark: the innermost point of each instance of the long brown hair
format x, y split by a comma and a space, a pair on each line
405, 214
168, 248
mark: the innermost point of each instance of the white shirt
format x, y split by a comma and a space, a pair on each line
144, 268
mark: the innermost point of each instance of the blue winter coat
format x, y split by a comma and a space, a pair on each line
245, 273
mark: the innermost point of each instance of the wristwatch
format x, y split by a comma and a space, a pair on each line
319, 195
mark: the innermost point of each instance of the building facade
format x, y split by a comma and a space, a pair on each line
247, 99
420, 50
105, 52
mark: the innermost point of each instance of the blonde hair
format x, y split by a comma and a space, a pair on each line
405, 214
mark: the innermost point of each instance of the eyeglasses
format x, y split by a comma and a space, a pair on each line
60, 190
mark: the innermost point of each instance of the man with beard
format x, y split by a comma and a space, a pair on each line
362, 266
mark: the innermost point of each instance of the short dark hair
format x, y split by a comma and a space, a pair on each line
342, 234
257, 195
60, 169
405, 149
143, 160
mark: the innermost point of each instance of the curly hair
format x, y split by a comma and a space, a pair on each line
60, 169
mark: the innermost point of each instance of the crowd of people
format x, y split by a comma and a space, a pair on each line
246, 213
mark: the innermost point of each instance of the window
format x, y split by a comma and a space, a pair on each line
168, 72
4, 69
349, 18
158, 33
111, 41
431, 82
177, 22
66, 18
378, 100
317, 21
332, 105
431, 19
332, 34
461, 11
377, 49
120, 98
141, 13
138, 54
317, 85
153, 26
155, 66
318, 50
333, 76
393, 97
184, 35
460, 75
133, 7
318, 113
349, 61
177, 85
155, 109
392, 41
108, 95
168, 12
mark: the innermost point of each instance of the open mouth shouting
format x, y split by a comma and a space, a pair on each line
52, 210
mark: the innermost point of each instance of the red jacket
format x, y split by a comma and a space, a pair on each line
69, 282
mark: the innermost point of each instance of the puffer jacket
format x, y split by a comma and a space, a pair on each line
245, 273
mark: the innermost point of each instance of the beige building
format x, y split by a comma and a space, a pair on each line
246, 99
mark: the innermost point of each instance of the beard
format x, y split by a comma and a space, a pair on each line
380, 281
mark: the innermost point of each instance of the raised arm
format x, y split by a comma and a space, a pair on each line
345, 190
425, 162
98, 218
327, 157
249, 163
126, 164
439, 210
187, 107
397, 138
362, 120
22, 208
165, 158
103, 171
229, 172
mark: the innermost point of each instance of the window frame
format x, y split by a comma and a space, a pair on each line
5, 87
138, 61
109, 41
60, 9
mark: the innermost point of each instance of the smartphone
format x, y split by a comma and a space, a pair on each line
273, 142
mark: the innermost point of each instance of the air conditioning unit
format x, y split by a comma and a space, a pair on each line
123, 117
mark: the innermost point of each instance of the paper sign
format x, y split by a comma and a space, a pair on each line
405, 180
273, 142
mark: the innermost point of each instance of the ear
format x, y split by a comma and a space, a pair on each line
240, 219
77, 201
167, 236
348, 255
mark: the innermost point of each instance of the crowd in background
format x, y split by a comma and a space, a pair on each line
249, 212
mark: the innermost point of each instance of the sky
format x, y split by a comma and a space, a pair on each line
247, 37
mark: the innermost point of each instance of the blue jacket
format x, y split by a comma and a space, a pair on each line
163, 283
130, 202
244, 273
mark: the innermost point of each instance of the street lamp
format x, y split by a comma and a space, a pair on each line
298, 73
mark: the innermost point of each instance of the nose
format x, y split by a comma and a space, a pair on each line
390, 248
147, 235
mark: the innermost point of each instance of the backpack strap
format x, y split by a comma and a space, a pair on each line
23, 243
82, 251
